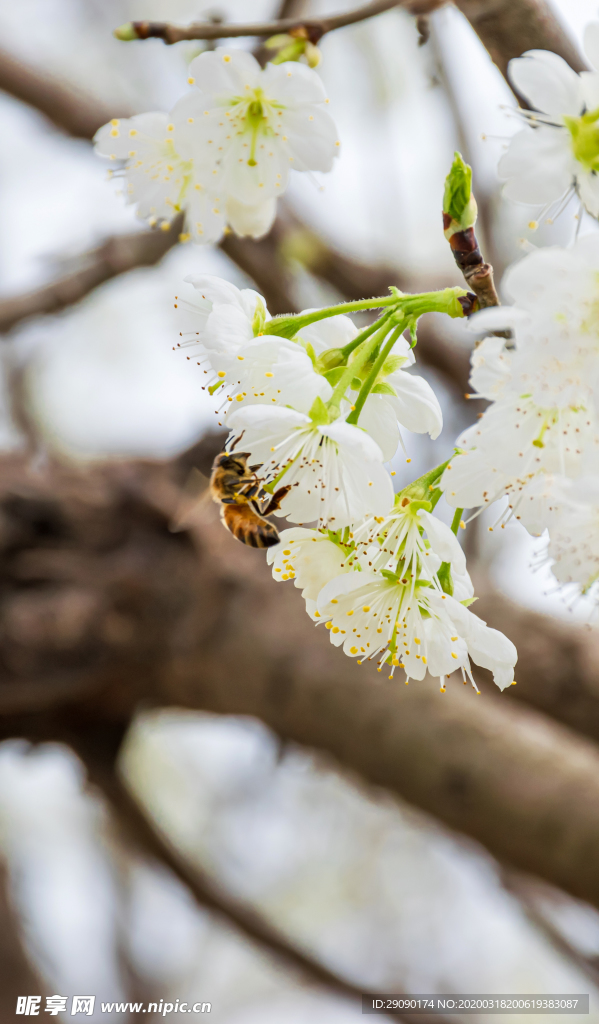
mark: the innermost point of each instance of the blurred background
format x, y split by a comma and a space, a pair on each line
101, 423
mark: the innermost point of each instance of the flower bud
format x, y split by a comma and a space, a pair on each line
459, 205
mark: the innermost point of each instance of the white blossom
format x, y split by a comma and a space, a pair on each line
335, 470
543, 382
419, 628
254, 125
162, 173
310, 567
572, 516
559, 149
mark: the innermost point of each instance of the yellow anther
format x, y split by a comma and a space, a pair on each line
221, 373
366, 608
328, 625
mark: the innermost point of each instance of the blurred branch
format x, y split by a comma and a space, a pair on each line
68, 107
315, 28
529, 893
508, 28
117, 255
139, 831
92, 579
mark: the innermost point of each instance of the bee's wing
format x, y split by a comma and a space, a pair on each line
194, 502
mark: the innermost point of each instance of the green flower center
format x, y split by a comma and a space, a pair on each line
254, 113
585, 138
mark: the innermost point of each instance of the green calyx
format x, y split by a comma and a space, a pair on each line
444, 574
424, 488
459, 205
259, 319
585, 138
293, 46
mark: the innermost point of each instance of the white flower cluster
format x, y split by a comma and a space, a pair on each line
538, 441
318, 407
224, 153
558, 152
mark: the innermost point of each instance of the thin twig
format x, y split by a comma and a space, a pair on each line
115, 256
315, 28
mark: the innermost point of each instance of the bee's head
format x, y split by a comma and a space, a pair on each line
234, 462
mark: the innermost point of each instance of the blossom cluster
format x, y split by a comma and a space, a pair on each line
538, 441
318, 407
224, 152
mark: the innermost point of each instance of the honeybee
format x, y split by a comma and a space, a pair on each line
243, 502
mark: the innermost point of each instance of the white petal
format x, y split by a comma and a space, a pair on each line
379, 419
490, 367
313, 558
354, 438
225, 72
539, 164
332, 332
469, 481
417, 407
291, 378
311, 138
591, 43
293, 84
214, 289
496, 318
443, 541
547, 82
589, 84
588, 190
252, 221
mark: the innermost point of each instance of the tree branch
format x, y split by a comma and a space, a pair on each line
314, 28
117, 255
139, 831
70, 108
508, 28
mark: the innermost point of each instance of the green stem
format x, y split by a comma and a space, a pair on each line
288, 326
371, 379
363, 335
444, 301
457, 519
359, 361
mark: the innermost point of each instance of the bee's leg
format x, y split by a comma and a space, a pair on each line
253, 490
275, 501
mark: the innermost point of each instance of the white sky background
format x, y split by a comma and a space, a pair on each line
105, 381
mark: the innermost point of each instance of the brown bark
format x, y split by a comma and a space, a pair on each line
103, 607
508, 28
